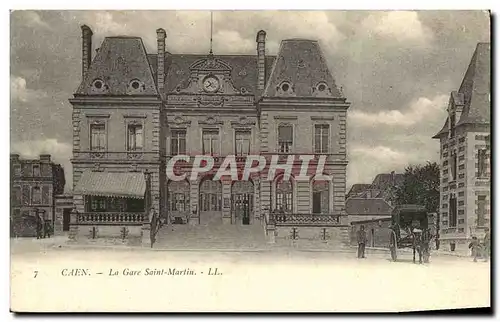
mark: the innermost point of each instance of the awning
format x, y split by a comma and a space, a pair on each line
112, 184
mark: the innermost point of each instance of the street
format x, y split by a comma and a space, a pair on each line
80, 279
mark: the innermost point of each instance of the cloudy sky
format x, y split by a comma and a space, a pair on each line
397, 69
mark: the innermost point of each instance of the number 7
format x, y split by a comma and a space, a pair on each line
36, 273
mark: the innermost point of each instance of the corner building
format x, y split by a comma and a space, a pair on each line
465, 157
134, 111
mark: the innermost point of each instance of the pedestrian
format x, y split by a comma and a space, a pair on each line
47, 229
474, 247
361, 241
487, 245
426, 241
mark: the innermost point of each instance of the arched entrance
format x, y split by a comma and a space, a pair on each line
178, 201
242, 196
283, 195
320, 197
210, 202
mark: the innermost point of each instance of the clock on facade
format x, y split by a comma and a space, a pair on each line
211, 84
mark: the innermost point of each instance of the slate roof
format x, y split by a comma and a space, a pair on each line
243, 69
474, 91
301, 63
476, 88
123, 59
385, 180
119, 61
357, 188
368, 206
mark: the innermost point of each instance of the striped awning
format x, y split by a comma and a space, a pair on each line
112, 184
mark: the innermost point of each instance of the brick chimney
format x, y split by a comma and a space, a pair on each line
161, 35
45, 158
261, 60
86, 49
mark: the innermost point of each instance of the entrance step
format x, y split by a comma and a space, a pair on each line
211, 237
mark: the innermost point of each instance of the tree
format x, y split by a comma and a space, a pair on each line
420, 186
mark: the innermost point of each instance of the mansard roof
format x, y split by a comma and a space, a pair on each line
301, 63
474, 92
118, 62
243, 69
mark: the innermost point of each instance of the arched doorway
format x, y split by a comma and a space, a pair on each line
178, 201
320, 197
283, 196
210, 202
242, 196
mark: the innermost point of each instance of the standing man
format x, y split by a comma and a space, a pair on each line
487, 245
361, 242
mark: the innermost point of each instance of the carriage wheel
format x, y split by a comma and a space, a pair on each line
393, 246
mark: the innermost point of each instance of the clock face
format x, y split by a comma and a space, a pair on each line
211, 84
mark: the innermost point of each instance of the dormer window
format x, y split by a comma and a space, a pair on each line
99, 86
135, 86
322, 87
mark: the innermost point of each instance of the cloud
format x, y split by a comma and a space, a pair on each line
18, 90
231, 41
420, 110
33, 19
366, 162
403, 26
61, 153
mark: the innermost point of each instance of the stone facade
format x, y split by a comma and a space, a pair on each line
34, 185
186, 104
465, 153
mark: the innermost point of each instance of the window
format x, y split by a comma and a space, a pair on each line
36, 170
26, 198
211, 141
178, 202
453, 165
98, 137
17, 169
178, 142
242, 142
16, 196
453, 211
321, 138
36, 196
482, 165
285, 138
135, 138
321, 196
481, 211
97, 204
284, 196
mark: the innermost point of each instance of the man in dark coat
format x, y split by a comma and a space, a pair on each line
361, 241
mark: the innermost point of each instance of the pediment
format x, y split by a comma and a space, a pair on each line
210, 64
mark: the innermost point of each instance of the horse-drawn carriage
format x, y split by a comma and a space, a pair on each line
411, 227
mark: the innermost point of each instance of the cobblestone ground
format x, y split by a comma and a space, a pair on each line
276, 280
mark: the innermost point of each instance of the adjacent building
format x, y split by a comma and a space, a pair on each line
34, 186
135, 110
465, 151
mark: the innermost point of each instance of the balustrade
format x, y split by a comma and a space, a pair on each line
111, 218
304, 219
